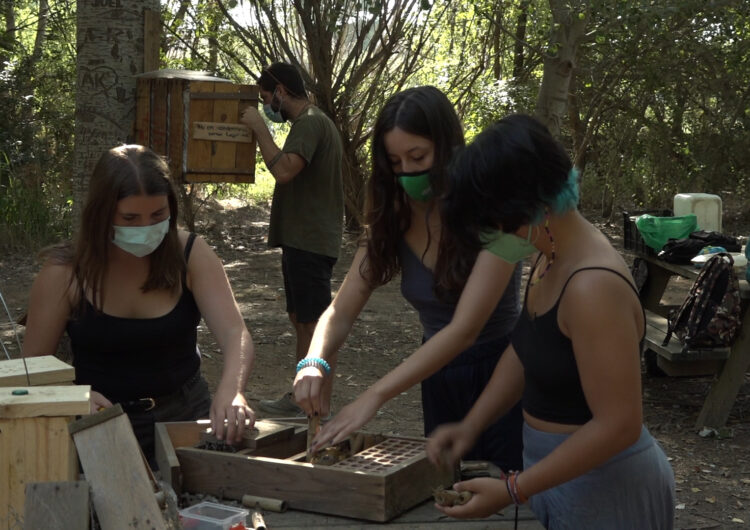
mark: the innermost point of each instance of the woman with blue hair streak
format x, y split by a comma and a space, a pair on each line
574, 357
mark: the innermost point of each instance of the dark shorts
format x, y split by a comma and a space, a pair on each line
449, 394
191, 402
307, 283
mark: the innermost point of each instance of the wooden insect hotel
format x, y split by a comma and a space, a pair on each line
34, 442
375, 477
194, 120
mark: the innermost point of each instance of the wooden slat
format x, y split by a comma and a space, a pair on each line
177, 138
245, 157
114, 466
45, 401
199, 151
225, 111
44, 370
57, 506
32, 450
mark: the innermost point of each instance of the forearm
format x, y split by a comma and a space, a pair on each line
330, 334
239, 355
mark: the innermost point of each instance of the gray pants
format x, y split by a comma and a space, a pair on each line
633, 490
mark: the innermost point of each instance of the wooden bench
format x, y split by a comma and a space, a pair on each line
674, 359
729, 369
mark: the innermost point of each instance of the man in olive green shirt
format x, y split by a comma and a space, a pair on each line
308, 201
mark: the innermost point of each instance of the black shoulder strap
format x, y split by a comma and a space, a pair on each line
189, 245
630, 284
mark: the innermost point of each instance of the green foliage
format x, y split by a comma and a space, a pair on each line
659, 100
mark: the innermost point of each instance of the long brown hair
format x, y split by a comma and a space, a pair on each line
121, 172
424, 111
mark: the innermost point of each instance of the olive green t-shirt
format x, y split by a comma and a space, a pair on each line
307, 213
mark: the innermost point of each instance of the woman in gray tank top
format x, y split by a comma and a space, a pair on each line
574, 358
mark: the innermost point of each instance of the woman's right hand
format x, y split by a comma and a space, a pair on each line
98, 402
349, 419
308, 391
448, 443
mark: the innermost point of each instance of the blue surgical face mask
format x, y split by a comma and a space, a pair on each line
140, 240
416, 185
273, 115
508, 247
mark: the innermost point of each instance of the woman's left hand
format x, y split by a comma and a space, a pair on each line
230, 412
489, 496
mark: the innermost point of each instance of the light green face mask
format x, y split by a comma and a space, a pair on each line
416, 185
508, 247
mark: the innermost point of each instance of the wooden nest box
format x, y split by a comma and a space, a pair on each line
194, 120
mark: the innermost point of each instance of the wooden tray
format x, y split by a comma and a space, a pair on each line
387, 477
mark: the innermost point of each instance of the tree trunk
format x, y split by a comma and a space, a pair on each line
110, 44
569, 23
9, 12
41, 30
518, 48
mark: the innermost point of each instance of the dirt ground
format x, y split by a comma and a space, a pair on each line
713, 474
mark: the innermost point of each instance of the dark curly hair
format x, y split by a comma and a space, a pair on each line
505, 179
424, 111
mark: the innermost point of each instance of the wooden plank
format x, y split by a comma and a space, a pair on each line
688, 368
43, 370
32, 450
723, 393
225, 111
113, 463
199, 151
245, 156
45, 401
166, 459
178, 137
302, 485
57, 506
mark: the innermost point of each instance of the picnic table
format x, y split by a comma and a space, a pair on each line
422, 517
730, 363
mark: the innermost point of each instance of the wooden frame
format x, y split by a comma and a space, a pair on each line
389, 476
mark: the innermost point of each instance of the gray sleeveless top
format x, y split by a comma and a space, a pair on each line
417, 287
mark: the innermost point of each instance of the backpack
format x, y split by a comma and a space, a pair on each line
681, 251
710, 315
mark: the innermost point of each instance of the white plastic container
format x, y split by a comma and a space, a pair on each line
706, 207
213, 516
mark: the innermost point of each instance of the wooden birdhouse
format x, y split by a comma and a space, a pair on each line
35, 445
194, 120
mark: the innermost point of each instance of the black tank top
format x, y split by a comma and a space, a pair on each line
131, 358
553, 390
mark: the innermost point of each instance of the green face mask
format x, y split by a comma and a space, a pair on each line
508, 247
416, 185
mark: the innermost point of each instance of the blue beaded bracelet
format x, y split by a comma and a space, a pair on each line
322, 364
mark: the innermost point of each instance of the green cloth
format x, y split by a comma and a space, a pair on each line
307, 213
656, 231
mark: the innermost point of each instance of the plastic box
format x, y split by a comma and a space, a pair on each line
632, 239
213, 516
706, 207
